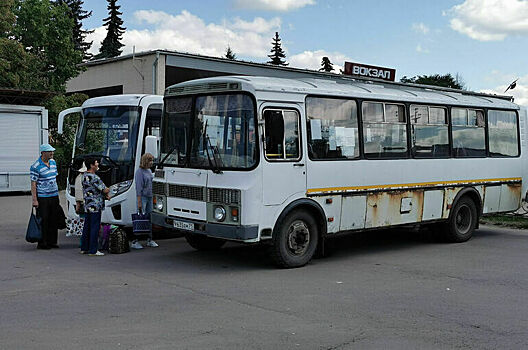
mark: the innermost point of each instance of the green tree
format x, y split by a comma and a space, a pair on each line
446, 80
45, 30
277, 56
18, 68
230, 55
7, 17
111, 45
326, 65
78, 14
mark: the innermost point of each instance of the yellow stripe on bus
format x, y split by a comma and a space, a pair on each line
410, 185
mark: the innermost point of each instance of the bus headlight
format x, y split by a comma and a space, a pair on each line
219, 213
121, 187
159, 203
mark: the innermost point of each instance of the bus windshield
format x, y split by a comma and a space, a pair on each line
110, 132
211, 132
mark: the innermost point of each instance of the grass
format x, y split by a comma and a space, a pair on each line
515, 221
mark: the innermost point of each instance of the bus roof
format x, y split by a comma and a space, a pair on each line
297, 89
117, 100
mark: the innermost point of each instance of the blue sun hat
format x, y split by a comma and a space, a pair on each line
46, 147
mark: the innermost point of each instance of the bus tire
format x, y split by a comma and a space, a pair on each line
462, 222
295, 241
200, 242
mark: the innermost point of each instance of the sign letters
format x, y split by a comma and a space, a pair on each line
363, 70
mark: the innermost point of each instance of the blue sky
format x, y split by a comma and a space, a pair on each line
484, 41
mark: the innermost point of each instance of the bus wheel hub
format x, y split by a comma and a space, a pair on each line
298, 237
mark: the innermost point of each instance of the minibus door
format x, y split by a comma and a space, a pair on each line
284, 167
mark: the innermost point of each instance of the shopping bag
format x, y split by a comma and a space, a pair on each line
141, 223
34, 231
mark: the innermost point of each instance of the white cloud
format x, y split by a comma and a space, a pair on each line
420, 49
312, 60
520, 92
186, 32
420, 28
273, 5
490, 20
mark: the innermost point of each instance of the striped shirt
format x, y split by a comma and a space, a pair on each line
45, 177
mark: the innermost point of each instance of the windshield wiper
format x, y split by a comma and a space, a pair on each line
215, 168
160, 165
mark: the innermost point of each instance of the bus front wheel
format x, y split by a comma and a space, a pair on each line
295, 240
199, 242
463, 221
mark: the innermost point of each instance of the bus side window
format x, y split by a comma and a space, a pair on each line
152, 122
281, 134
468, 132
429, 131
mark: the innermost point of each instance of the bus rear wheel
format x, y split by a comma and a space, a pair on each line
199, 242
463, 221
295, 240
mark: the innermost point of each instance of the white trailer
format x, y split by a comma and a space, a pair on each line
24, 128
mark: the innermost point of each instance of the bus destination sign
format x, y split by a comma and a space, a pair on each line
363, 70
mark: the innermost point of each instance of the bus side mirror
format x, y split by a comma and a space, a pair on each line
151, 145
62, 114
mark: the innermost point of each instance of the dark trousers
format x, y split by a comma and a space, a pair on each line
48, 211
90, 235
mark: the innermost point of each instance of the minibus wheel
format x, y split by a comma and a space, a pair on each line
462, 221
200, 242
295, 240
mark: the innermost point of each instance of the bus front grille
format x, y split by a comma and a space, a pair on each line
223, 195
159, 188
187, 192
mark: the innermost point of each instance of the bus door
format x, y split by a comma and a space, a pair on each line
284, 168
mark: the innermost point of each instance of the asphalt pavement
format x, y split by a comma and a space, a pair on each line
392, 289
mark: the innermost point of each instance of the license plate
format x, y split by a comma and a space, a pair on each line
182, 225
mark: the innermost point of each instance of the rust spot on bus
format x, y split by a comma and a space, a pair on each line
385, 208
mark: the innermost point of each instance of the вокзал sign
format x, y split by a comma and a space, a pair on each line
366, 71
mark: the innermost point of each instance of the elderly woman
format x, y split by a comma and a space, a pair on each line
143, 180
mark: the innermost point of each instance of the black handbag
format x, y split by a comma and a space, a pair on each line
61, 218
34, 230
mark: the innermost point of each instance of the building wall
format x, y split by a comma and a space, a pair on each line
135, 75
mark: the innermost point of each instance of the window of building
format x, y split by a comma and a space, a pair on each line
468, 131
429, 132
384, 130
332, 128
502, 133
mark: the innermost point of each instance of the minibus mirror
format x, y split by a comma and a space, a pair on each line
151, 145
60, 123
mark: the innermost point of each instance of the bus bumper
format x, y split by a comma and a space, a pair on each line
243, 233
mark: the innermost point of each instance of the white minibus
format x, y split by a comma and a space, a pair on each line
291, 162
113, 128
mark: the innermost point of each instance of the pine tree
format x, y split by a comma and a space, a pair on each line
79, 34
230, 55
111, 45
326, 65
277, 54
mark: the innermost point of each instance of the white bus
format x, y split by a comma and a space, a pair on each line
113, 128
292, 162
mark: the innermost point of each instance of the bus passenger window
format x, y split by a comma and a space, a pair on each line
469, 138
281, 134
429, 132
332, 126
502, 132
384, 130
